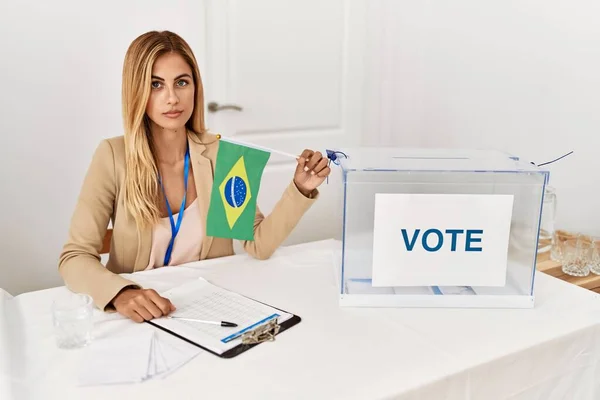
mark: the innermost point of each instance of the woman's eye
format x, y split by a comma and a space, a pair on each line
155, 85
182, 83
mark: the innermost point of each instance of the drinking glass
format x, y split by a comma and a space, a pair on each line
595, 256
72, 317
559, 238
576, 257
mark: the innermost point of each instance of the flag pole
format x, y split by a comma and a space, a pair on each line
255, 146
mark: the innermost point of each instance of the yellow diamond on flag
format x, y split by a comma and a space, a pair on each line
235, 192
235, 187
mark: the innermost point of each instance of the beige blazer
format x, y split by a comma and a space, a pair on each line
101, 199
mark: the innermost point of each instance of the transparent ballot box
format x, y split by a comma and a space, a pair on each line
437, 227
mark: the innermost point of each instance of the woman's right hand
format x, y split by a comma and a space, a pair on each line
142, 304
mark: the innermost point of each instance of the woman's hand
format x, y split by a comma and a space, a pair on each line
311, 171
142, 304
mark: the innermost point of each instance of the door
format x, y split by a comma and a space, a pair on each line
287, 75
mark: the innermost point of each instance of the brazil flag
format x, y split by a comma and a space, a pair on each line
235, 188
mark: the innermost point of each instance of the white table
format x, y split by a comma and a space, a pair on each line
549, 352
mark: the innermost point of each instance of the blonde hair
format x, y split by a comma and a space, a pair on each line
142, 191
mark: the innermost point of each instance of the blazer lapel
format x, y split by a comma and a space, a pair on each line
142, 257
203, 178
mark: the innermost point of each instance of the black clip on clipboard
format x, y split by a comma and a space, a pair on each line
262, 333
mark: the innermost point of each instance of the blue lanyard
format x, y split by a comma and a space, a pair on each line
175, 227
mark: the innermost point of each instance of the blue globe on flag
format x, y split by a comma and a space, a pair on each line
235, 191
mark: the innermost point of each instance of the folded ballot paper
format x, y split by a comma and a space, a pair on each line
133, 356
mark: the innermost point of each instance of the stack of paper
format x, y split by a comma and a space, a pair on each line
135, 356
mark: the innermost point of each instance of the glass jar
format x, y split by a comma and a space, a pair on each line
548, 220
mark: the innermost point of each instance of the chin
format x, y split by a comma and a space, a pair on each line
172, 124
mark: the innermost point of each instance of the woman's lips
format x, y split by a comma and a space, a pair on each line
172, 114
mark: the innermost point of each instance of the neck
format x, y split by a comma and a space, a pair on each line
169, 145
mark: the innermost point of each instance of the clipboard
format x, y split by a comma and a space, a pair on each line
263, 331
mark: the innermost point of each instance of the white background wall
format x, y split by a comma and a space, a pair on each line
518, 75
522, 76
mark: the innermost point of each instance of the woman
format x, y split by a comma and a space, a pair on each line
136, 179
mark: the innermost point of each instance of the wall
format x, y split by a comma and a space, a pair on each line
519, 75
60, 75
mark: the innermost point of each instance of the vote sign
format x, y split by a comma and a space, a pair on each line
441, 239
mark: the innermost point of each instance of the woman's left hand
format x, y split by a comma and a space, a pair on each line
311, 171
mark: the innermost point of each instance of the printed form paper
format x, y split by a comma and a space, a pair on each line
202, 300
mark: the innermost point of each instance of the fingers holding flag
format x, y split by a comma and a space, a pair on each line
321, 169
313, 161
311, 171
303, 161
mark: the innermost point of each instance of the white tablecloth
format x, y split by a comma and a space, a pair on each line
549, 352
